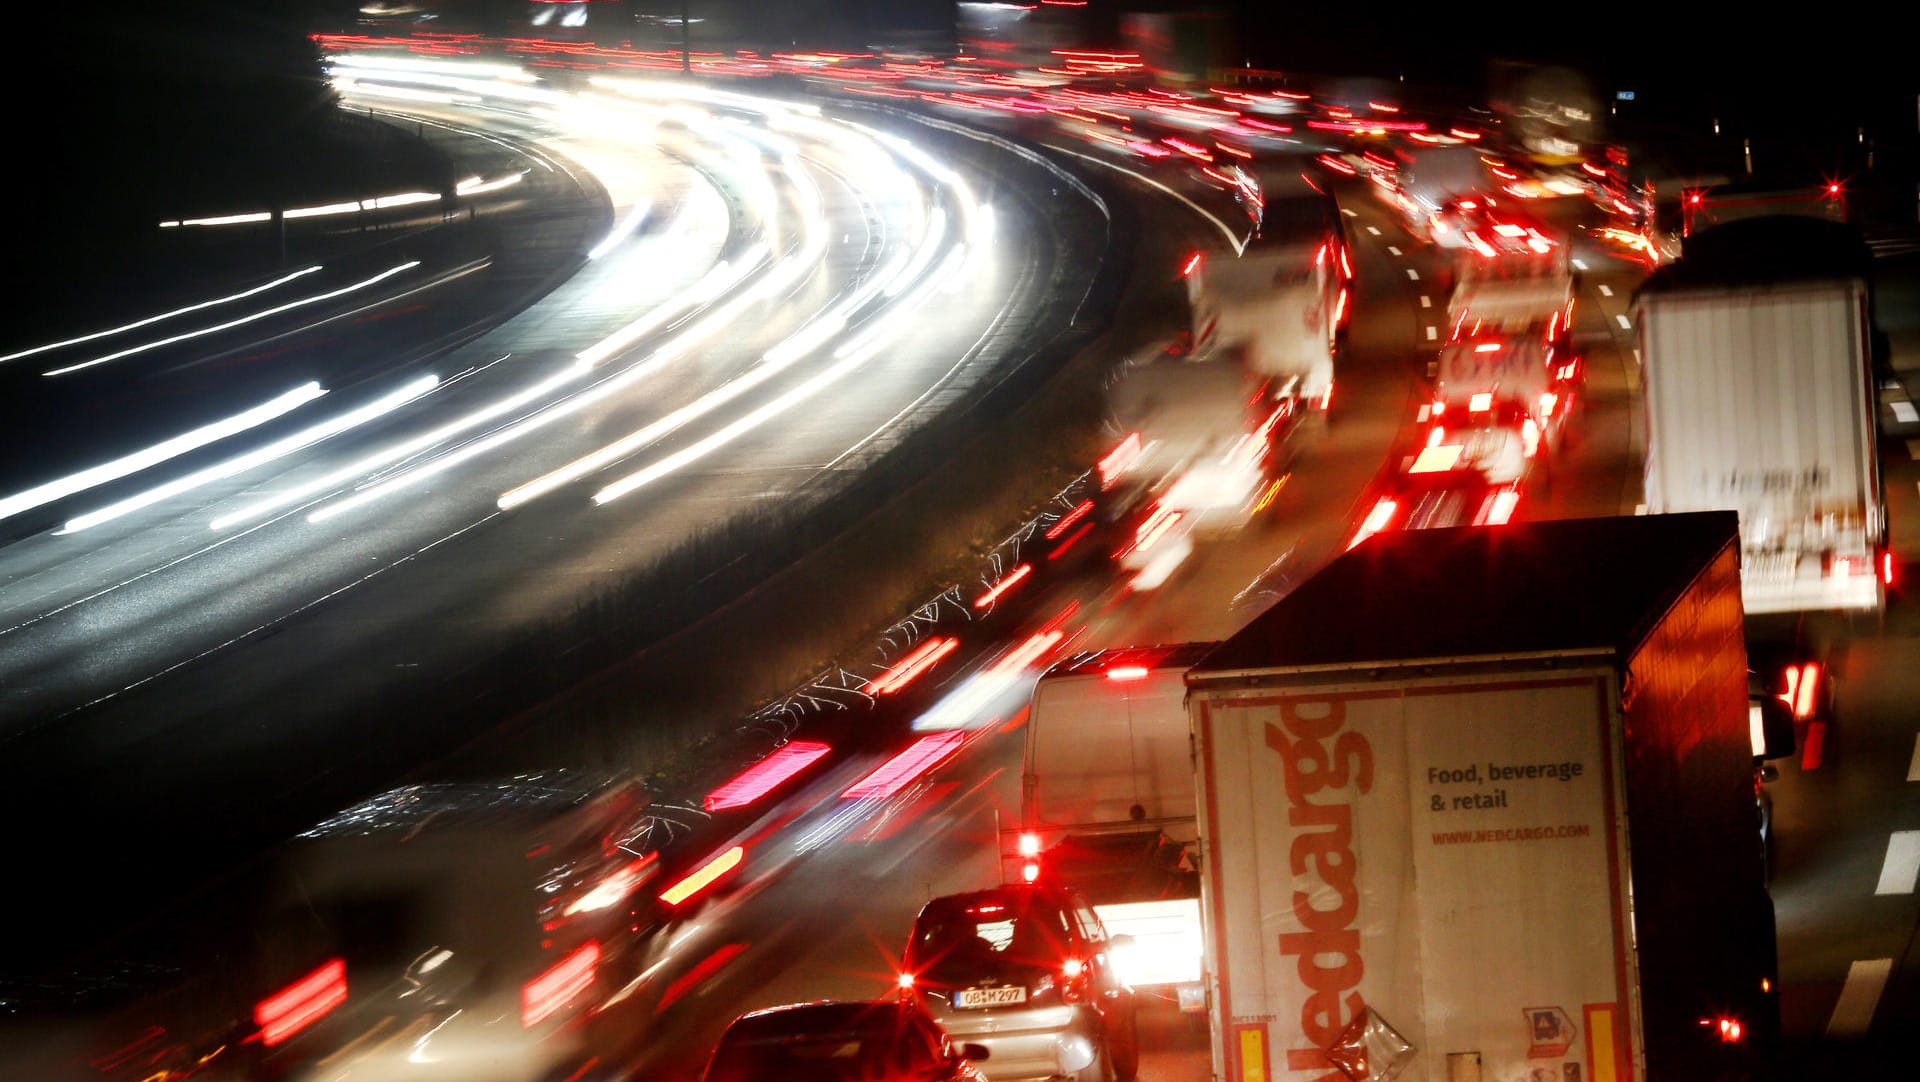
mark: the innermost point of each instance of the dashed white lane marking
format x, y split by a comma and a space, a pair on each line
1349, 212
1579, 264
1913, 450
1432, 333
1902, 866
1606, 290
1866, 979
1413, 274
1913, 765
1427, 302
1904, 412
1392, 249
1624, 321
1373, 231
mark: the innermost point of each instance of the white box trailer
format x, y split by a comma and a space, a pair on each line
1107, 805
1760, 401
1493, 789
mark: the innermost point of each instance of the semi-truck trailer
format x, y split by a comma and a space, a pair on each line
1479, 804
1757, 350
1280, 302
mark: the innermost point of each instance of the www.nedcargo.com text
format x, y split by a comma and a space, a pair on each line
1511, 834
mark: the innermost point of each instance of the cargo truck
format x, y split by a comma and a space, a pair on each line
1479, 804
1757, 351
1281, 301
1107, 807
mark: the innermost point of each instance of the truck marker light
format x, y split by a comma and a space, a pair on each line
704, 876
542, 996
301, 1003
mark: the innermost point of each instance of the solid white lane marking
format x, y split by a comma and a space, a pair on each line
1861, 994
1427, 302
1373, 230
1432, 334
1393, 249
1902, 866
1606, 290
1913, 765
1904, 412
1624, 322
1413, 274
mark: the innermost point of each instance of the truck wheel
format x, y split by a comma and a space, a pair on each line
1123, 1045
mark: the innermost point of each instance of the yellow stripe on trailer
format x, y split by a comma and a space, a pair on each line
1253, 1053
1603, 1035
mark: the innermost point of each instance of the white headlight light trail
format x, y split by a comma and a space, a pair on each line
128, 465
279, 448
242, 321
849, 359
150, 320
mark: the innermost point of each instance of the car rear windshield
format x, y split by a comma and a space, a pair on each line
1029, 933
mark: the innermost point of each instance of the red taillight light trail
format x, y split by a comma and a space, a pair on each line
1028, 652
1498, 510
543, 996
919, 757
764, 776
1193, 264
1011, 580
1080, 511
1119, 459
704, 876
301, 1003
1886, 569
904, 671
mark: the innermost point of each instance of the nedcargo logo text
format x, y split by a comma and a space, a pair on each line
1329, 949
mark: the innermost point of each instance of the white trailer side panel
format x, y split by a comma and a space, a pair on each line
1368, 846
1759, 402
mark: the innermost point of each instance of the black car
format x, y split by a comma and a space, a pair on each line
841, 1042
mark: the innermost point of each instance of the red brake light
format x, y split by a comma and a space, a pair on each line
1803, 701
542, 996
1072, 968
301, 1003
1193, 264
1127, 672
1487, 347
1030, 871
924, 657
1029, 845
905, 980
1731, 1030
1886, 568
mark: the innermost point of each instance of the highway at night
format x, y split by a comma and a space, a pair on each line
739, 297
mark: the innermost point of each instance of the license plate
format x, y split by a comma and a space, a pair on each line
989, 997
